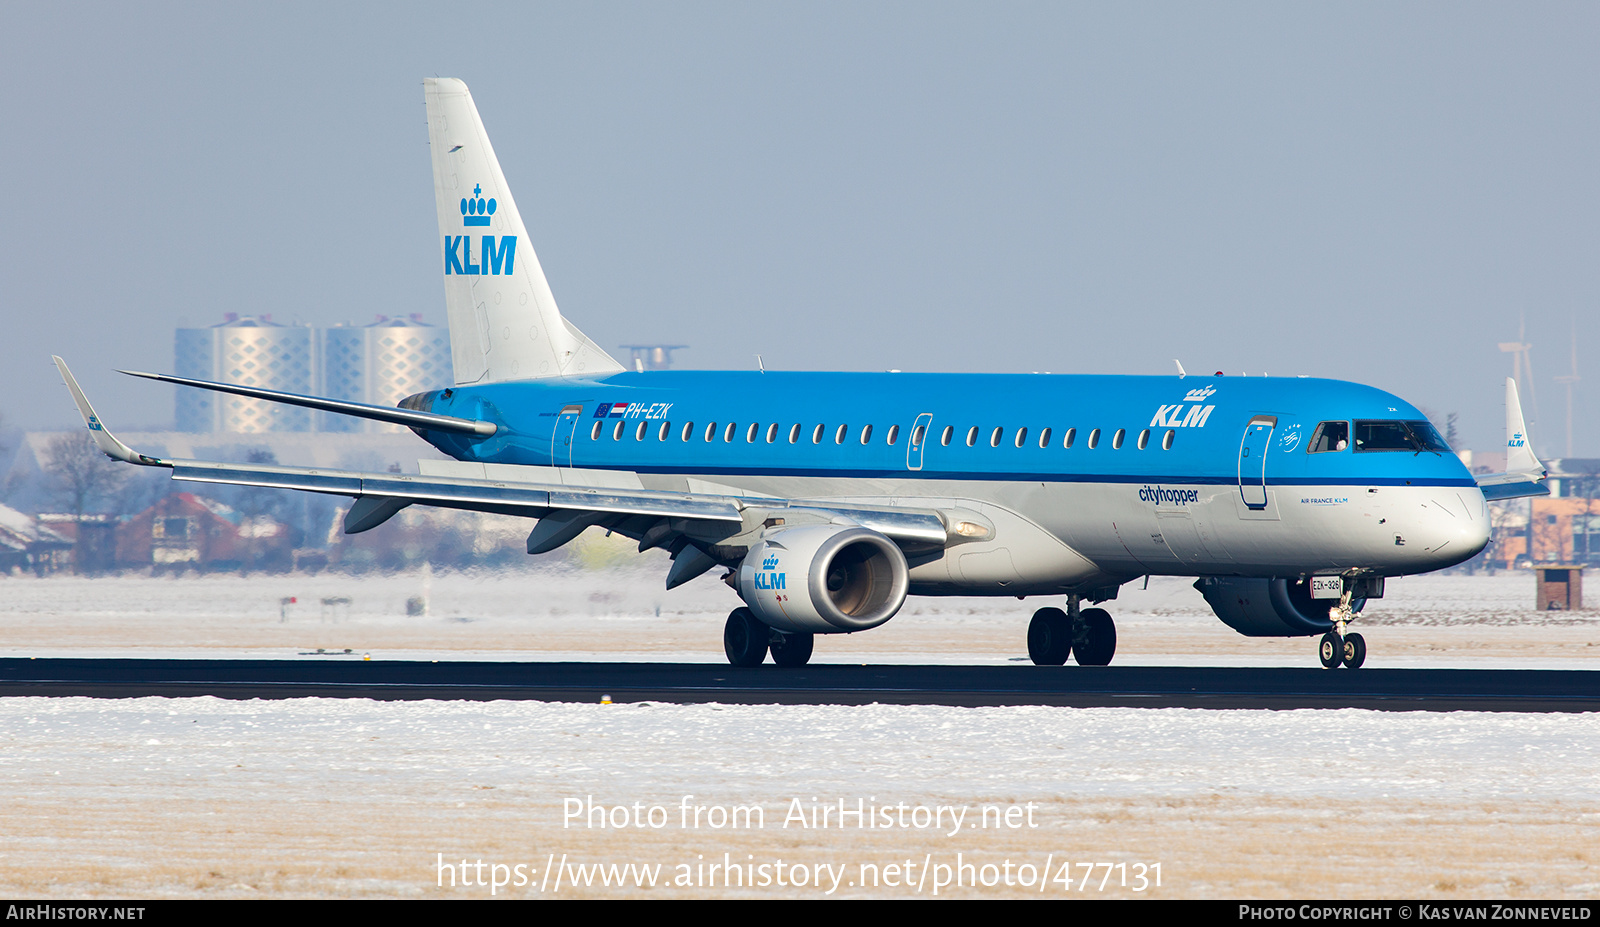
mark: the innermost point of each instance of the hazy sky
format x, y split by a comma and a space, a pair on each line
1365, 191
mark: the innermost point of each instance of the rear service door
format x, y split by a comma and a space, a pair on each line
561, 437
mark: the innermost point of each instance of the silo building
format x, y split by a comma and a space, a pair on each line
251, 351
381, 363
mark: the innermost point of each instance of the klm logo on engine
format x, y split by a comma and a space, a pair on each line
768, 579
494, 257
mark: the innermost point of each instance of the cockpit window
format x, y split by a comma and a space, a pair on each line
1329, 436
1399, 436
1429, 436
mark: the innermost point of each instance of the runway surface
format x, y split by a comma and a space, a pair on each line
683, 683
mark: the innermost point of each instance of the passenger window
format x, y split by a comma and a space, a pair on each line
1144, 439
1044, 438
638, 433
794, 434
816, 435
838, 436
1094, 438
972, 436
894, 435
750, 436
994, 439
688, 429
666, 429
594, 433
616, 433
1067, 442
948, 433
1116, 439
1166, 439
711, 431
1022, 436
772, 432
866, 433
1329, 436
729, 432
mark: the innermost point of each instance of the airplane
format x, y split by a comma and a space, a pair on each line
827, 498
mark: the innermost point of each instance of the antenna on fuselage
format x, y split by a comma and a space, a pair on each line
759, 365
1181, 374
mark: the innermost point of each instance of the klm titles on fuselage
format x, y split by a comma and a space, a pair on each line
1174, 416
496, 256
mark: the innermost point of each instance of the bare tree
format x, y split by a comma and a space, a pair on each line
81, 478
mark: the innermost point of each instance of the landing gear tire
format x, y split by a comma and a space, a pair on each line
1097, 641
1355, 651
744, 638
1049, 637
792, 649
1331, 650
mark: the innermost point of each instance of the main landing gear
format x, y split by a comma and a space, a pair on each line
746, 641
1337, 647
1088, 635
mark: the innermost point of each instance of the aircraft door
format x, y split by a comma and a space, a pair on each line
919, 440
562, 435
1253, 460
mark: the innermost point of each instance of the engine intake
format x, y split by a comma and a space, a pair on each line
824, 579
1268, 607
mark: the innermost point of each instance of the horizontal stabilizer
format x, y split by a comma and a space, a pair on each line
425, 421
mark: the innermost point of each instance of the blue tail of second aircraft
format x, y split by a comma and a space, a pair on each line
504, 324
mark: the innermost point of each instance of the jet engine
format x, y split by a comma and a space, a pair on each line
1268, 607
823, 579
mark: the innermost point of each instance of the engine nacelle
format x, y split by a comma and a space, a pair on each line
824, 579
1268, 607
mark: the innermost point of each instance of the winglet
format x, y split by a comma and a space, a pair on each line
105, 440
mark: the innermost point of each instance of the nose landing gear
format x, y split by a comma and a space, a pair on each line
1336, 646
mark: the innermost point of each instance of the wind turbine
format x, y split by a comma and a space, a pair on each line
1571, 380
1522, 363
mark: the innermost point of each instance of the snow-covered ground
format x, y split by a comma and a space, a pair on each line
332, 798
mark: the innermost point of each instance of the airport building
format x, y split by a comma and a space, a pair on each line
379, 363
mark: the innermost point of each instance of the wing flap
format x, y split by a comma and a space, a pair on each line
456, 492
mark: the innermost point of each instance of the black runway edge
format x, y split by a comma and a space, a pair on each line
823, 684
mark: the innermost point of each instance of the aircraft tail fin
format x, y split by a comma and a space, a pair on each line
1519, 450
1524, 474
504, 324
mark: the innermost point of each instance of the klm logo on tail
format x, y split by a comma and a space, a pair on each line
494, 258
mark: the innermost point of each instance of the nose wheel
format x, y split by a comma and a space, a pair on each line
1337, 647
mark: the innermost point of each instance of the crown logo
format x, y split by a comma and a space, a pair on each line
1199, 395
474, 210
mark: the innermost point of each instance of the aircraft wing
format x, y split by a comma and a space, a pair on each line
1524, 474
566, 501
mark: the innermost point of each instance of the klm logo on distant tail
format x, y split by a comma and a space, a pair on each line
494, 257
1516, 440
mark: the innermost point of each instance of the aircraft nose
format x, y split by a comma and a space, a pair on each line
1449, 527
